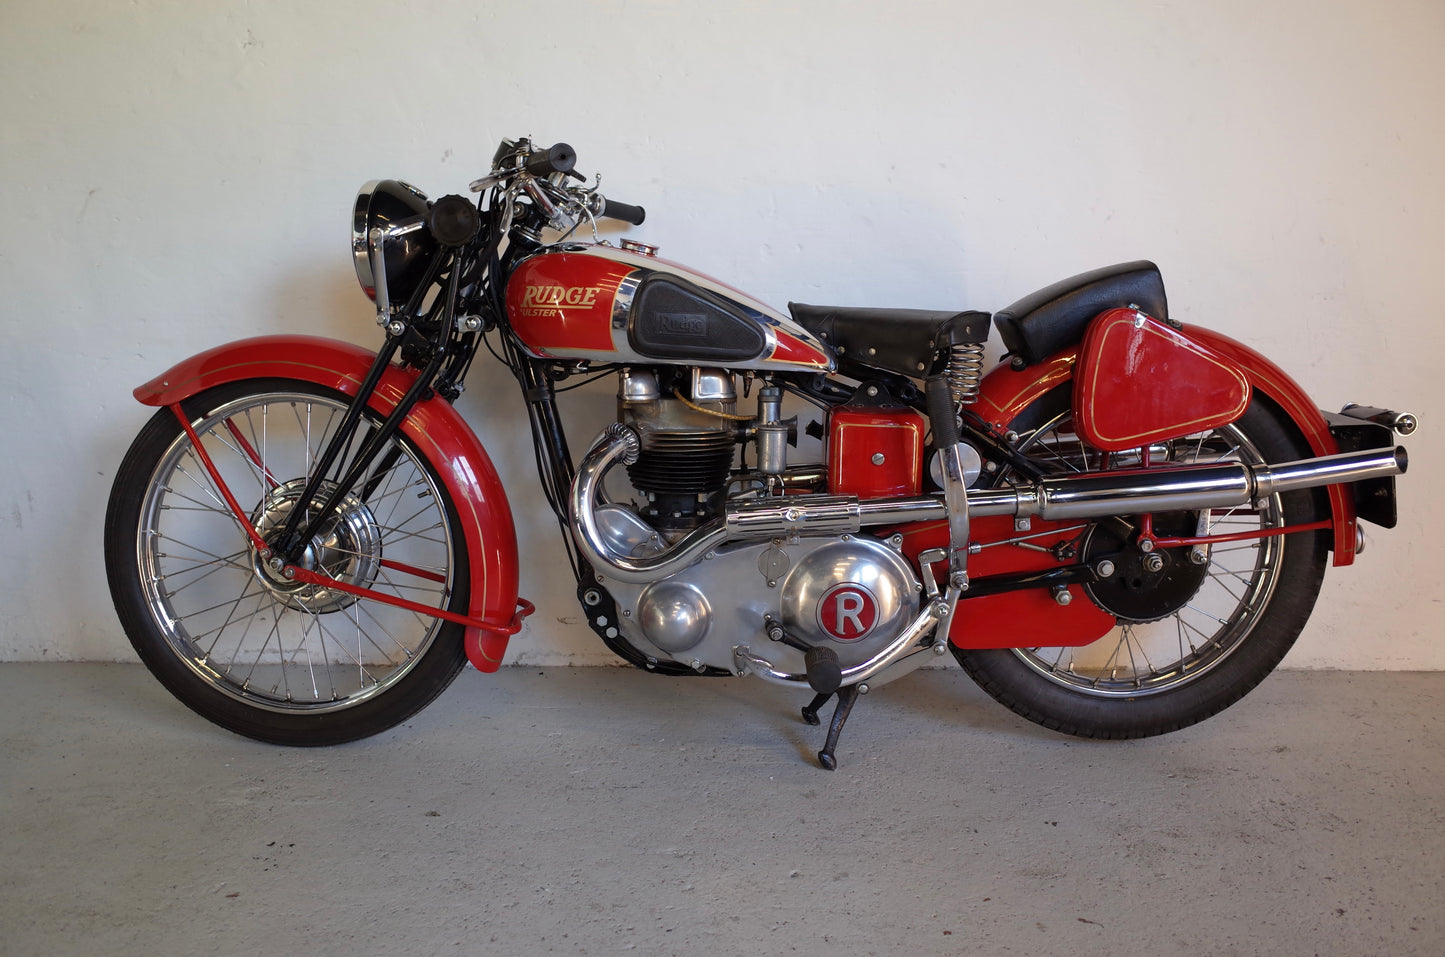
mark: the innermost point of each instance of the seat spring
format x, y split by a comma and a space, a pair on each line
965, 372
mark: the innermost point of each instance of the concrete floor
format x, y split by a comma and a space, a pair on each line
604, 811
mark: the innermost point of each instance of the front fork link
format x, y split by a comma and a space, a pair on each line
302, 521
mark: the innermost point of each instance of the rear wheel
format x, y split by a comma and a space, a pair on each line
227, 633
1195, 632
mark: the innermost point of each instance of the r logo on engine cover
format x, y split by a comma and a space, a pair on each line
847, 612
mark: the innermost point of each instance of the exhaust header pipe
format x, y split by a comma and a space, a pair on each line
1125, 492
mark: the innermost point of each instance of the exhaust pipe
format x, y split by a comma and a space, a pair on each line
1138, 491
1066, 498
623, 445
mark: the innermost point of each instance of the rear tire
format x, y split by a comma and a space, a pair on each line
1213, 640
240, 645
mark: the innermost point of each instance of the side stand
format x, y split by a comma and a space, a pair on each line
846, 696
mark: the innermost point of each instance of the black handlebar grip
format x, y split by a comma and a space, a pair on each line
559, 158
624, 211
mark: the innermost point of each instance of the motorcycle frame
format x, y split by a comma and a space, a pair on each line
414, 398
495, 612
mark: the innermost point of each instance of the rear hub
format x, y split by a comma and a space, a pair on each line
1144, 586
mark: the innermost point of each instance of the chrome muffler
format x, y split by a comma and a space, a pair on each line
1138, 491
1065, 498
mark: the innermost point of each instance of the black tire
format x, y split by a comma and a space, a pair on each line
1171, 664
270, 659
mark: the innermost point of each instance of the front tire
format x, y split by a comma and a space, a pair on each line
232, 639
1190, 643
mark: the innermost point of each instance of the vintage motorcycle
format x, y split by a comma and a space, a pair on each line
1118, 530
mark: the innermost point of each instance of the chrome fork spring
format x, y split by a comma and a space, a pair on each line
965, 372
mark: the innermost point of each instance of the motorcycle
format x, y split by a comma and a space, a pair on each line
1117, 531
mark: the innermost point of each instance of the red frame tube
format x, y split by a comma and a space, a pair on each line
1240, 536
308, 577
250, 452
240, 516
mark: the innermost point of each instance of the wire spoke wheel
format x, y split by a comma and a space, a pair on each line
1197, 627
217, 619
1183, 619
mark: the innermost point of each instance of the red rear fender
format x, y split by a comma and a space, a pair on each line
436, 428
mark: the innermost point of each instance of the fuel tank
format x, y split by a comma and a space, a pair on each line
625, 305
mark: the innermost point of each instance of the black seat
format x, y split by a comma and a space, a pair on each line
1042, 323
902, 341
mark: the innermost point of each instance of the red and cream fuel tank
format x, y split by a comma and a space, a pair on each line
626, 305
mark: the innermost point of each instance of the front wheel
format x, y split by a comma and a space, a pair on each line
1195, 633
230, 636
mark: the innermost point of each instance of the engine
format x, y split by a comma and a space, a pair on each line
689, 433
846, 590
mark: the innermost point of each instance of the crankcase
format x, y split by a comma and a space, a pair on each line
853, 593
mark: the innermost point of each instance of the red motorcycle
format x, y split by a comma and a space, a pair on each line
1118, 531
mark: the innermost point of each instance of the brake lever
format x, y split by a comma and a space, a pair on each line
486, 182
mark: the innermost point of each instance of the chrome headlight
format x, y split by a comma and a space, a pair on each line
392, 205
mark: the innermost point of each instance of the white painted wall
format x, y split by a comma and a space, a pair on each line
178, 174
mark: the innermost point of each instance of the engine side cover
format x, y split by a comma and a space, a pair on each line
853, 593
849, 591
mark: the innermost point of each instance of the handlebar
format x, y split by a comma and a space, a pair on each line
533, 170
623, 211
558, 158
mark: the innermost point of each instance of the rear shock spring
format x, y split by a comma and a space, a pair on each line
965, 371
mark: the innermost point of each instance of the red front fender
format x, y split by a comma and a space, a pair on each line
438, 431
1006, 392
